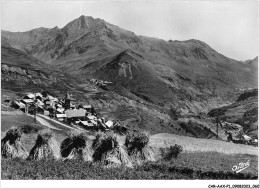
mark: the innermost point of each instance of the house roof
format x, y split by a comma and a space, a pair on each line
87, 106
30, 95
86, 123
27, 100
75, 113
61, 115
50, 97
59, 105
39, 94
60, 110
94, 122
48, 102
55, 99
20, 104
247, 137
109, 123
92, 117
46, 112
39, 102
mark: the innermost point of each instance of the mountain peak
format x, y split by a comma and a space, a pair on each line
82, 25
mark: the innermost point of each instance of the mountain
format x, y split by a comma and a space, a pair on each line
158, 79
252, 63
23, 73
243, 112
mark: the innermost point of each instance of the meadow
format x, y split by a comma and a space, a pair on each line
205, 165
200, 159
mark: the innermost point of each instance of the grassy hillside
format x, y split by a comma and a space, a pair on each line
191, 144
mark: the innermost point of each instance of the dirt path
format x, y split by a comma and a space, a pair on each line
45, 123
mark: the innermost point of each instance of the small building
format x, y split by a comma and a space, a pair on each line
55, 100
51, 109
75, 113
109, 124
39, 96
87, 125
247, 138
101, 124
40, 103
89, 109
49, 103
18, 105
94, 122
33, 107
61, 117
46, 112
90, 125
58, 106
91, 117
77, 122
29, 96
73, 106
27, 101
51, 98
60, 110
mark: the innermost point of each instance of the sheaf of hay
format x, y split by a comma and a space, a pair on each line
138, 148
46, 146
76, 146
108, 151
11, 146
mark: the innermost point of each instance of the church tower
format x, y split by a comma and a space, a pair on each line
67, 101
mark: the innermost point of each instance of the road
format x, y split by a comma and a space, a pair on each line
40, 116
45, 123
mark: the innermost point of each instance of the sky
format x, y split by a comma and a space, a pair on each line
229, 27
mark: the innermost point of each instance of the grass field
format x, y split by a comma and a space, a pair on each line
7, 121
191, 144
6, 94
187, 166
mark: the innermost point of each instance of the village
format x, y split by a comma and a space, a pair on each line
99, 82
65, 111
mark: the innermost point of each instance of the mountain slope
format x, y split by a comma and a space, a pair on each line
23, 73
186, 75
243, 112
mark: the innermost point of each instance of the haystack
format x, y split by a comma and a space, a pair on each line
76, 146
138, 148
45, 147
109, 152
11, 146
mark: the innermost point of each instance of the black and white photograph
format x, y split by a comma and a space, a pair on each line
139, 90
